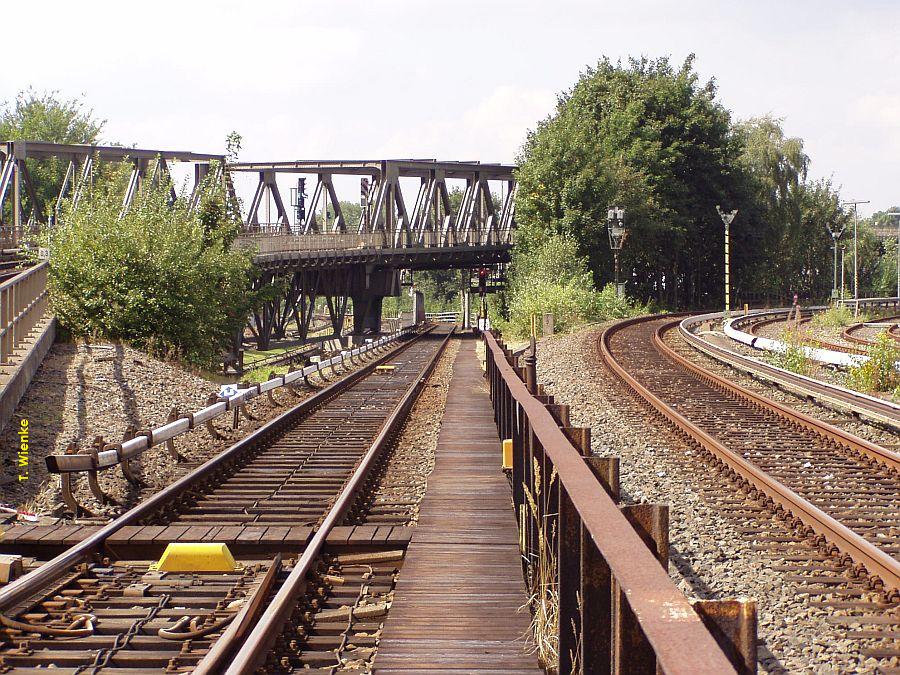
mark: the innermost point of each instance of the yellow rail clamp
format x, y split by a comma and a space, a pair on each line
507, 453
384, 369
199, 557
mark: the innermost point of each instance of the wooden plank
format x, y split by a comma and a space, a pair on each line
456, 603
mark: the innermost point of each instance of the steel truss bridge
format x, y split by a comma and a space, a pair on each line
462, 217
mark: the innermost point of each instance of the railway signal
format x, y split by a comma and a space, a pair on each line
836, 230
615, 221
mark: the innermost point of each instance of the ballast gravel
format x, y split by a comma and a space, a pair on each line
86, 390
709, 557
403, 479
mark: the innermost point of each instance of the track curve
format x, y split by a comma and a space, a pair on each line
840, 487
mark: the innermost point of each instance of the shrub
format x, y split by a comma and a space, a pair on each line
553, 278
879, 371
835, 316
161, 276
794, 357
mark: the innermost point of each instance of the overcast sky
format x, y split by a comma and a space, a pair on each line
455, 80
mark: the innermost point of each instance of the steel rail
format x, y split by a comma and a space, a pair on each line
265, 631
25, 586
839, 398
214, 660
849, 332
116, 453
876, 562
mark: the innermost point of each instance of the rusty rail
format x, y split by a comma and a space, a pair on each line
23, 303
118, 453
252, 652
618, 609
876, 562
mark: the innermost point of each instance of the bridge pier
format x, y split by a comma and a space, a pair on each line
369, 287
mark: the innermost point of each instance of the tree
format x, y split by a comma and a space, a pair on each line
49, 118
163, 277
651, 138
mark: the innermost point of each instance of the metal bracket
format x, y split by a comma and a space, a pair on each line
68, 496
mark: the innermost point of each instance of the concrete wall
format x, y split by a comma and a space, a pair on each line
14, 389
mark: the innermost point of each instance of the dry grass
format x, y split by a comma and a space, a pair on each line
543, 600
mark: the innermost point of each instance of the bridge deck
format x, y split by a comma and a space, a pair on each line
457, 602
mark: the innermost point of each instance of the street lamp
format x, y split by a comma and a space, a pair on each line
855, 203
836, 232
615, 221
727, 218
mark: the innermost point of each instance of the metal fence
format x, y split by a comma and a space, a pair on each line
604, 565
23, 303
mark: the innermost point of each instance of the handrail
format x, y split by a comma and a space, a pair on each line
23, 303
637, 615
112, 454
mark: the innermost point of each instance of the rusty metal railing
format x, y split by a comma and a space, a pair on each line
603, 565
23, 303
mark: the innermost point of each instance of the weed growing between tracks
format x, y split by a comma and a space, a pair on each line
794, 357
837, 316
879, 371
542, 566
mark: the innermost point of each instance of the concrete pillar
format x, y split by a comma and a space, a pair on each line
466, 324
366, 315
418, 307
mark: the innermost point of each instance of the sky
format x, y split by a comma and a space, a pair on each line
461, 80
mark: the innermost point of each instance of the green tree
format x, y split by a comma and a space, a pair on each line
649, 137
782, 234
47, 117
163, 277
886, 227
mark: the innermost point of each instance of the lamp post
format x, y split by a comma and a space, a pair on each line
836, 233
615, 221
855, 203
843, 277
727, 218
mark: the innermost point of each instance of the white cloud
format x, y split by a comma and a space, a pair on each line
491, 130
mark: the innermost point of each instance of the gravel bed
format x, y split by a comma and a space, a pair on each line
82, 391
709, 555
403, 480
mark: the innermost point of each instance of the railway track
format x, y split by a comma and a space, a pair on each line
276, 498
840, 399
840, 494
852, 339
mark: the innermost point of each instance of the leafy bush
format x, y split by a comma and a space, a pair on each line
835, 316
161, 276
794, 357
879, 372
553, 278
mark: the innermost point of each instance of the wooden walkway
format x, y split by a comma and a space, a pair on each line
457, 602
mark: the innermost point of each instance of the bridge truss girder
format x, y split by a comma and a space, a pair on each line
433, 220
147, 165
